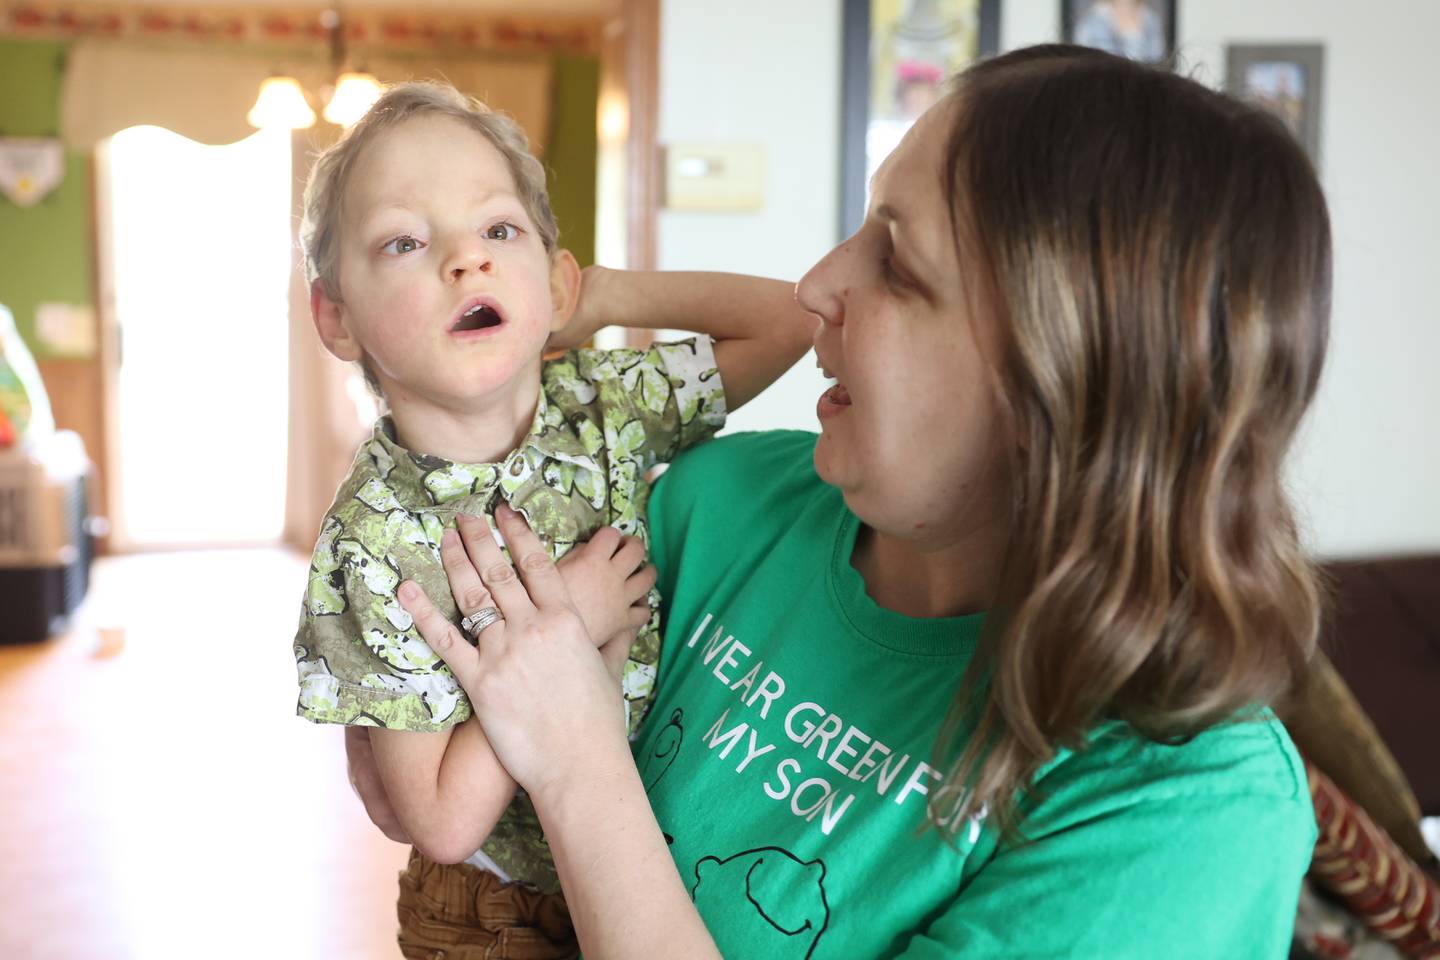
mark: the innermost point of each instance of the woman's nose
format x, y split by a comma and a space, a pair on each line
820, 291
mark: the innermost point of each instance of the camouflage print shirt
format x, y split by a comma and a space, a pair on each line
604, 418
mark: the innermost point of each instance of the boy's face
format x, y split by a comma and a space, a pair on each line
445, 283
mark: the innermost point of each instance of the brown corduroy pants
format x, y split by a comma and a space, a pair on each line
459, 912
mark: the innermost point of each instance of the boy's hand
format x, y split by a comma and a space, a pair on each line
606, 579
590, 312
608, 582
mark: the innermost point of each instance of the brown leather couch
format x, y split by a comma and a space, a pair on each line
1383, 636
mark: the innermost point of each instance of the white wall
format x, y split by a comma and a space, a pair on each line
764, 72
1367, 474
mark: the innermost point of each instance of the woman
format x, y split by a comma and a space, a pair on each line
988, 677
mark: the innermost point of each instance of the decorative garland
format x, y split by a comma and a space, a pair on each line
371, 29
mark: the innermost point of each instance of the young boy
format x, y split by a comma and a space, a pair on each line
431, 250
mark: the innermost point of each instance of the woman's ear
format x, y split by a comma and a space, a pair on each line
564, 287
329, 317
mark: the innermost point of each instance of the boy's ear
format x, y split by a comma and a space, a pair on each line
564, 287
329, 317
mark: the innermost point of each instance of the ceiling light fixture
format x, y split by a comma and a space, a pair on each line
283, 103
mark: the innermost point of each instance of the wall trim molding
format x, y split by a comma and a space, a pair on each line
366, 30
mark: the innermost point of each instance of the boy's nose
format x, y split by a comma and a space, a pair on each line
468, 257
459, 270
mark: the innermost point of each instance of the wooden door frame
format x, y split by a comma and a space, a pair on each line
642, 85
630, 75
102, 260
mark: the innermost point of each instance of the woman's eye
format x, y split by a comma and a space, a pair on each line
502, 231
893, 276
399, 245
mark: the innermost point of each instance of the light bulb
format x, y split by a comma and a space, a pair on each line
281, 104
354, 93
614, 122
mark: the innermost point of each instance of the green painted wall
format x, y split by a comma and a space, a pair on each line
570, 157
45, 250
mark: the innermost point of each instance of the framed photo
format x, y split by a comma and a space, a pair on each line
1142, 30
1285, 80
899, 55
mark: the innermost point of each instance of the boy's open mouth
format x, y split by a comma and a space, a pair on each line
477, 315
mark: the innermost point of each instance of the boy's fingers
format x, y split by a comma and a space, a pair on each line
496, 574
637, 616
616, 651
630, 555
599, 548
442, 635
470, 594
606, 540
639, 583
545, 585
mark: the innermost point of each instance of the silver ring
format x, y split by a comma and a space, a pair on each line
481, 619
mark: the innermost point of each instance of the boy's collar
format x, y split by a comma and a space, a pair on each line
421, 481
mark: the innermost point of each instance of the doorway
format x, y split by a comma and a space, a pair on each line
196, 240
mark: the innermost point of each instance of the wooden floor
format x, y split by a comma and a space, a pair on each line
158, 796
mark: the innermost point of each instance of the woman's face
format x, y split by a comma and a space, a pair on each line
912, 431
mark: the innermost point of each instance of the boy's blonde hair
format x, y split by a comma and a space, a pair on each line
325, 192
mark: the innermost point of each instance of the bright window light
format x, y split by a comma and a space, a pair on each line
200, 243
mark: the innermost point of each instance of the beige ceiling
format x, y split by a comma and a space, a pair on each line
572, 8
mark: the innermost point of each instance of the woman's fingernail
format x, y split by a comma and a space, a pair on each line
409, 591
449, 536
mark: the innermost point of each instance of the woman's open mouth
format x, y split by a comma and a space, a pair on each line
833, 402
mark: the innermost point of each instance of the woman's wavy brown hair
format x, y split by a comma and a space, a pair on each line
1157, 260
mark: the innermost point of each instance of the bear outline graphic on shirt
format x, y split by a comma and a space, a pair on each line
779, 898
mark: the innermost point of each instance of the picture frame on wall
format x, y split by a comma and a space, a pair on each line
1142, 30
899, 56
1286, 80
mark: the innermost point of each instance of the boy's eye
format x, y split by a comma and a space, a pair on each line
402, 244
502, 231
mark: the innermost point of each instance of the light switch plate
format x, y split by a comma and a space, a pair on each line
716, 176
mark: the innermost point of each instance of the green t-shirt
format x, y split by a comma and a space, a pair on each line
786, 756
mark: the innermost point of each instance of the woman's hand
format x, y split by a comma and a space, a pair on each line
550, 708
